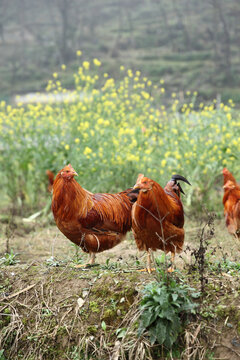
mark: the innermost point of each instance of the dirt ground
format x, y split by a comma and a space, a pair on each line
45, 285
34, 241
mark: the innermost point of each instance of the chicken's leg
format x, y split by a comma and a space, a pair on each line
149, 269
92, 258
149, 262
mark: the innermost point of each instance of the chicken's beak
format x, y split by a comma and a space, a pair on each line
136, 186
74, 173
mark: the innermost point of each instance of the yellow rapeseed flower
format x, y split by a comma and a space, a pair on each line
78, 53
229, 116
145, 95
87, 150
163, 163
100, 121
130, 74
97, 62
86, 65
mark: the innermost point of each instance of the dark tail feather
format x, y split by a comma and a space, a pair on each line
132, 194
180, 177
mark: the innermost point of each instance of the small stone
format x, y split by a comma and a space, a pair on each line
80, 302
85, 293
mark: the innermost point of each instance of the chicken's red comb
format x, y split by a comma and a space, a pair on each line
225, 171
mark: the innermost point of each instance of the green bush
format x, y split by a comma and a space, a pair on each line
165, 306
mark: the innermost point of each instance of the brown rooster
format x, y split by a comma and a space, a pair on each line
95, 222
231, 202
157, 217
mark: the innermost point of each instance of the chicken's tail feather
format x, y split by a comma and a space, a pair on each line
50, 176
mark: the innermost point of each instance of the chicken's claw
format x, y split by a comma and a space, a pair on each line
149, 270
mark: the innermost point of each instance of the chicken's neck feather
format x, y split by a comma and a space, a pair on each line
70, 198
228, 176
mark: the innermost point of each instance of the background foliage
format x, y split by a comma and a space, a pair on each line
110, 131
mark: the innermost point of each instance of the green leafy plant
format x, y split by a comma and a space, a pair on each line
110, 265
9, 259
121, 332
2, 357
165, 306
103, 325
225, 265
78, 256
52, 261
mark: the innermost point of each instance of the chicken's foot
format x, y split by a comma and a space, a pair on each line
90, 262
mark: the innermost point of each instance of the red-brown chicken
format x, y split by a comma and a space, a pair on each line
95, 222
50, 176
157, 216
231, 202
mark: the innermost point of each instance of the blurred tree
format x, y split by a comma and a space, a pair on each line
192, 43
226, 40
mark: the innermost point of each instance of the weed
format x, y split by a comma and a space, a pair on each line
226, 265
2, 357
78, 256
200, 254
110, 265
165, 306
121, 332
93, 305
52, 262
103, 325
9, 259
210, 356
